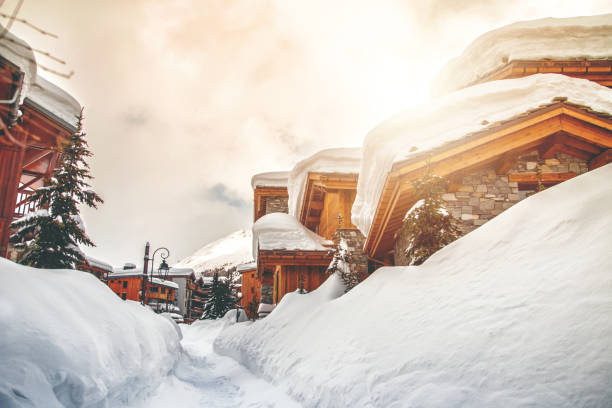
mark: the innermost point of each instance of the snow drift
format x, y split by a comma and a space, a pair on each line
454, 116
68, 341
514, 314
575, 38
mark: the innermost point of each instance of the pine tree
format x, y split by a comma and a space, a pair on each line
221, 300
340, 264
428, 224
50, 237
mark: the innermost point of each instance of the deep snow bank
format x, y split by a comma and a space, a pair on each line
68, 340
514, 314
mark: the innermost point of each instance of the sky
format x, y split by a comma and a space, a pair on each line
186, 100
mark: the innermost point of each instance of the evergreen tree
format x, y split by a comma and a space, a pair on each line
221, 300
428, 224
340, 264
50, 237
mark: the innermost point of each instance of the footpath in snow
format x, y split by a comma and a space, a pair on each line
203, 378
66, 340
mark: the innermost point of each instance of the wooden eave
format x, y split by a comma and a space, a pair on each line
293, 257
599, 71
584, 129
314, 193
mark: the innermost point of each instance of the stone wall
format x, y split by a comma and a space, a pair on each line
484, 194
277, 205
355, 240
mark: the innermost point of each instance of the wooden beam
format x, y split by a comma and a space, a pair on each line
601, 160
505, 164
572, 151
586, 131
547, 178
578, 144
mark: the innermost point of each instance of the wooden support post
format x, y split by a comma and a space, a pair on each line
11, 158
601, 160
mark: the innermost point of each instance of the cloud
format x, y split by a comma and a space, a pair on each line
220, 192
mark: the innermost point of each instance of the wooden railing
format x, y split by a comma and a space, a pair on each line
24, 207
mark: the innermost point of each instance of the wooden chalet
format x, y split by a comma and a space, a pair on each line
37, 118
127, 284
495, 167
99, 269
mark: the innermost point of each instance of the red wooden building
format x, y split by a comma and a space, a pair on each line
36, 119
127, 285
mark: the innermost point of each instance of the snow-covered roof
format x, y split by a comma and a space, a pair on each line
19, 53
136, 273
575, 38
55, 102
280, 231
163, 282
246, 267
96, 263
456, 115
340, 160
270, 179
226, 253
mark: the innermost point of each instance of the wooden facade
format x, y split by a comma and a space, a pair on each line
287, 271
558, 127
328, 199
30, 147
251, 290
128, 287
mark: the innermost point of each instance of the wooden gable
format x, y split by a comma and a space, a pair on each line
558, 127
261, 194
328, 198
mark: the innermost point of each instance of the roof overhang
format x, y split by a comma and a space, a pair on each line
558, 127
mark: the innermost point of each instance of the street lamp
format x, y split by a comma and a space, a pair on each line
163, 268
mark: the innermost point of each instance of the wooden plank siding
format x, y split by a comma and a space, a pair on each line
575, 129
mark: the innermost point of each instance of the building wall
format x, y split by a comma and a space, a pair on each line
337, 203
291, 277
251, 290
484, 194
127, 288
277, 205
181, 292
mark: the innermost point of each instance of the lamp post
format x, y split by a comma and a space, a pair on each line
163, 267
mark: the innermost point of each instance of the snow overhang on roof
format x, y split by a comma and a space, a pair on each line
576, 38
270, 179
20, 54
455, 116
246, 267
96, 263
279, 231
331, 161
55, 103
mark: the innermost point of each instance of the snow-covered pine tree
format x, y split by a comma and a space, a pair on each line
50, 237
340, 265
429, 226
221, 300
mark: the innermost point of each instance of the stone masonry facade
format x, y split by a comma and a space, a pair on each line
484, 194
277, 205
355, 240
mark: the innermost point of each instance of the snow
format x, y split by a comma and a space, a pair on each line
166, 283
55, 101
576, 38
226, 253
456, 115
19, 53
280, 231
68, 340
340, 160
96, 263
270, 179
246, 267
514, 314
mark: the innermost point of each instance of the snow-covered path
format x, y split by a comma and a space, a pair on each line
203, 378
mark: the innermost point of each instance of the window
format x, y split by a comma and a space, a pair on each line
252, 290
124, 284
112, 281
252, 275
163, 290
123, 296
153, 289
